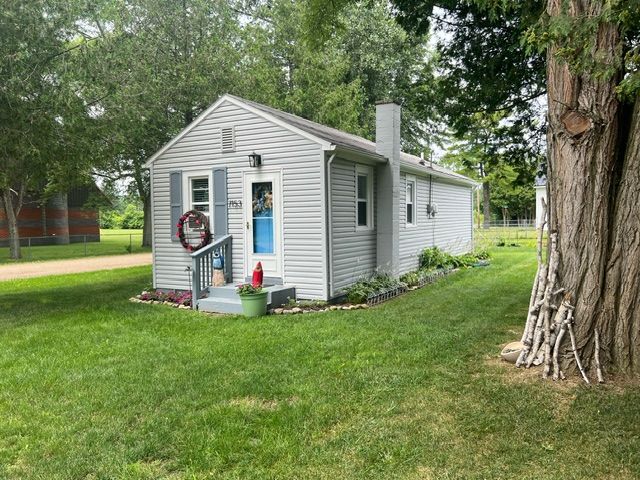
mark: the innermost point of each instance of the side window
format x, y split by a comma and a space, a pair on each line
200, 194
198, 197
364, 197
410, 201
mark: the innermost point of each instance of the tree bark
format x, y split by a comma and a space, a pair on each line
144, 192
12, 210
486, 205
146, 227
594, 187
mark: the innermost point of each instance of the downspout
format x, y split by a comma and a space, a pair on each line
330, 226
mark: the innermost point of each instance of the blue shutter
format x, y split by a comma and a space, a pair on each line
220, 225
175, 202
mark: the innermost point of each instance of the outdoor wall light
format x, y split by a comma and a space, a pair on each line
255, 160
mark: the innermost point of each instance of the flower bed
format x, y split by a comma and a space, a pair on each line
172, 298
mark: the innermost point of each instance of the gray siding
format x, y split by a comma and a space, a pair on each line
354, 251
451, 229
300, 161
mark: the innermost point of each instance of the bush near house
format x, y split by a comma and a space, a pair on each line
432, 258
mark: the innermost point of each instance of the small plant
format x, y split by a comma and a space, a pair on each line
501, 242
412, 278
482, 254
174, 296
360, 291
247, 289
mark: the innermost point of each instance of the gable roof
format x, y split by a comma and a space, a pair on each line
354, 142
328, 137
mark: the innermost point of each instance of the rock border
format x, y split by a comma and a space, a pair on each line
159, 302
329, 308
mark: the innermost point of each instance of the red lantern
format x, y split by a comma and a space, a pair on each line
256, 280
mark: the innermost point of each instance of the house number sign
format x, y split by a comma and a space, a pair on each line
234, 203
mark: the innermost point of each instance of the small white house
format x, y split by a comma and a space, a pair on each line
541, 194
321, 210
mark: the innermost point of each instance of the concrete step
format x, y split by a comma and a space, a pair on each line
220, 305
226, 300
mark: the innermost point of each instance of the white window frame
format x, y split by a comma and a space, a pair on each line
410, 179
368, 172
188, 192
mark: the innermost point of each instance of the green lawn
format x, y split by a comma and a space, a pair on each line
112, 242
95, 387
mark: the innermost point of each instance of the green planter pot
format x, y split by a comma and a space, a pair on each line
254, 304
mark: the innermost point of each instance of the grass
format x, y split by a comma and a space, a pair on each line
411, 389
112, 242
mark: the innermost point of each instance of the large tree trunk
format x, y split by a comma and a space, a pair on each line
144, 192
594, 182
12, 209
486, 204
146, 227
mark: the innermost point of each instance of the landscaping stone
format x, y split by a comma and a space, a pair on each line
296, 310
278, 311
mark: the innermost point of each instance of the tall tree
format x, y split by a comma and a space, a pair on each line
337, 81
592, 84
41, 115
490, 148
159, 64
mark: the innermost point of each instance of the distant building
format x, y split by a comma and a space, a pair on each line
541, 193
62, 219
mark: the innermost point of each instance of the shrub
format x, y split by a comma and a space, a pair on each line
412, 278
432, 258
360, 291
173, 296
110, 219
133, 217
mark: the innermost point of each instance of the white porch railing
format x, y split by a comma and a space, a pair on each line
202, 266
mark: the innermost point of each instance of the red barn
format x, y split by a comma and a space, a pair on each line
62, 219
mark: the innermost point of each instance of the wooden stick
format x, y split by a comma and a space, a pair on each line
545, 312
597, 358
575, 352
541, 231
537, 293
532, 318
556, 349
559, 319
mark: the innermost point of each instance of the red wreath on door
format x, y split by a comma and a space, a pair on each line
202, 223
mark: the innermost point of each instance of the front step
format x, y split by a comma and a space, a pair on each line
226, 300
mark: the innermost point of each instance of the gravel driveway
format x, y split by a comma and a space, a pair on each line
74, 265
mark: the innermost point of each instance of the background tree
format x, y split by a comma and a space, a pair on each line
490, 149
158, 65
337, 82
42, 117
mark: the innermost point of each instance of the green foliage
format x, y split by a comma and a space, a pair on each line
132, 218
110, 219
360, 291
433, 258
126, 215
247, 289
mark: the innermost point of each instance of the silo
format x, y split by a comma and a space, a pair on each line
58, 219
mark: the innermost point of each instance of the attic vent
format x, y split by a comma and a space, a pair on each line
228, 139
